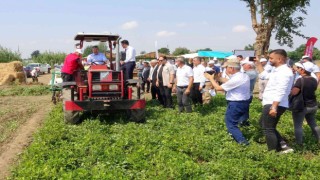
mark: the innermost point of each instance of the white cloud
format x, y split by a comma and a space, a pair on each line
130, 25
165, 33
205, 22
240, 28
182, 24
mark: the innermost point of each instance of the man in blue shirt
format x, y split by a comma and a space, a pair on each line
96, 57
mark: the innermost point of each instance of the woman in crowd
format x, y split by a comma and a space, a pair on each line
307, 85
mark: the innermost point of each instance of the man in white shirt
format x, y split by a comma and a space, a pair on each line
206, 96
184, 81
198, 82
128, 65
249, 68
152, 76
264, 76
97, 57
275, 99
238, 97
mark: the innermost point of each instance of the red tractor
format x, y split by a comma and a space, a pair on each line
102, 89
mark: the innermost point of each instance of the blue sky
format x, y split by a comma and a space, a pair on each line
51, 25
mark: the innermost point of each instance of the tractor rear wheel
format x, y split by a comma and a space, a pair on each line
70, 117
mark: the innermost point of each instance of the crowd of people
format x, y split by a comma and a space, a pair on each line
195, 81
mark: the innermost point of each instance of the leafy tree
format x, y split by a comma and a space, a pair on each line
6, 55
51, 58
299, 52
249, 47
142, 52
164, 51
103, 47
87, 50
180, 51
35, 54
205, 49
278, 16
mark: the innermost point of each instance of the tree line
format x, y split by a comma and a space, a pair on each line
7, 55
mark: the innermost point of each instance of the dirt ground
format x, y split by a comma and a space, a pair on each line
43, 78
20, 117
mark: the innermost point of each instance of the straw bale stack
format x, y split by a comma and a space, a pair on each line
10, 72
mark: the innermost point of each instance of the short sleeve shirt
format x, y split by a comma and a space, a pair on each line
166, 72
237, 87
183, 75
71, 63
309, 88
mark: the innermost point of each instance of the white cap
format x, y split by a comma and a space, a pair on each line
79, 51
232, 57
308, 66
215, 58
305, 56
263, 60
211, 62
246, 61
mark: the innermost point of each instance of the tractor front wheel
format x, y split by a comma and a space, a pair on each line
137, 115
70, 117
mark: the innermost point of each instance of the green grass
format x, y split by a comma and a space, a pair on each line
168, 146
27, 90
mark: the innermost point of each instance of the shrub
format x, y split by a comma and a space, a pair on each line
168, 146
28, 90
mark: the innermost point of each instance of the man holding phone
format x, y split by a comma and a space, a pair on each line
237, 96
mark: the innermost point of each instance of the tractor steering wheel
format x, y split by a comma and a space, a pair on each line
95, 63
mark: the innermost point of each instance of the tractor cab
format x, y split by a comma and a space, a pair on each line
102, 89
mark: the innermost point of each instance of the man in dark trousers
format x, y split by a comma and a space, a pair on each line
165, 81
199, 81
128, 65
145, 76
155, 92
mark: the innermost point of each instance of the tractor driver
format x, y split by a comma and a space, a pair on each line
96, 57
71, 63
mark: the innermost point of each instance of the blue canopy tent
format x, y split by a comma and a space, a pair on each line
217, 54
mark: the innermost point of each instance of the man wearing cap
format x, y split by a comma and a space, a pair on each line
184, 81
264, 76
275, 99
97, 57
249, 68
145, 75
198, 81
211, 69
128, 65
238, 96
315, 68
71, 63
224, 75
